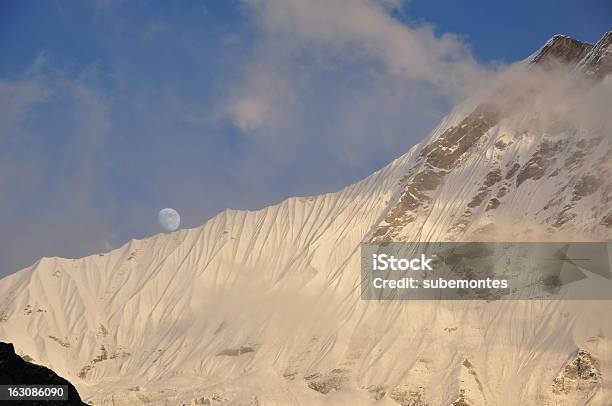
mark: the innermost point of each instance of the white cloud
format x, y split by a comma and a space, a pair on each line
299, 38
258, 104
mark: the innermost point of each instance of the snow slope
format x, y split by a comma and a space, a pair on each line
262, 307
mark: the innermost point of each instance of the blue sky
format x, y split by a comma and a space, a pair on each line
112, 110
511, 30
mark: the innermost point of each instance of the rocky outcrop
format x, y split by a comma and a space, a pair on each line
561, 48
15, 371
580, 377
540, 161
406, 396
437, 159
592, 60
598, 62
460, 401
332, 381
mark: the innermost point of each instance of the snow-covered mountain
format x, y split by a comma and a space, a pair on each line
263, 307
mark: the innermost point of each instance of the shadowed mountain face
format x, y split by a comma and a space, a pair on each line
15, 371
562, 49
263, 307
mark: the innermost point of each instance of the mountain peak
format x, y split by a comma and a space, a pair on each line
598, 61
563, 49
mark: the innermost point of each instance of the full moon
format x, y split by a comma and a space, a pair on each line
169, 219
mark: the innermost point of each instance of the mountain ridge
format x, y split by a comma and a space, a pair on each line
263, 306
16, 371
600, 52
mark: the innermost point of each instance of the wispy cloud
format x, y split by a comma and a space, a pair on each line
298, 97
16, 97
346, 82
304, 39
52, 191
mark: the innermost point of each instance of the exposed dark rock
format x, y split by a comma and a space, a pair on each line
581, 374
411, 200
84, 371
450, 146
598, 62
590, 143
377, 392
607, 220
461, 224
438, 157
212, 399
234, 352
102, 357
512, 170
405, 396
502, 191
61, 342
586, 185
102, 332
493, 177
540, 161
564, 216
478, 198
561, 48
460, 401
500, 145
493, 204
99, 358
575, 159
472, 371
413, 197
427, 180
15, 371
335, 380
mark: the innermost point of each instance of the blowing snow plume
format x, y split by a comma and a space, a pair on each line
562, 86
